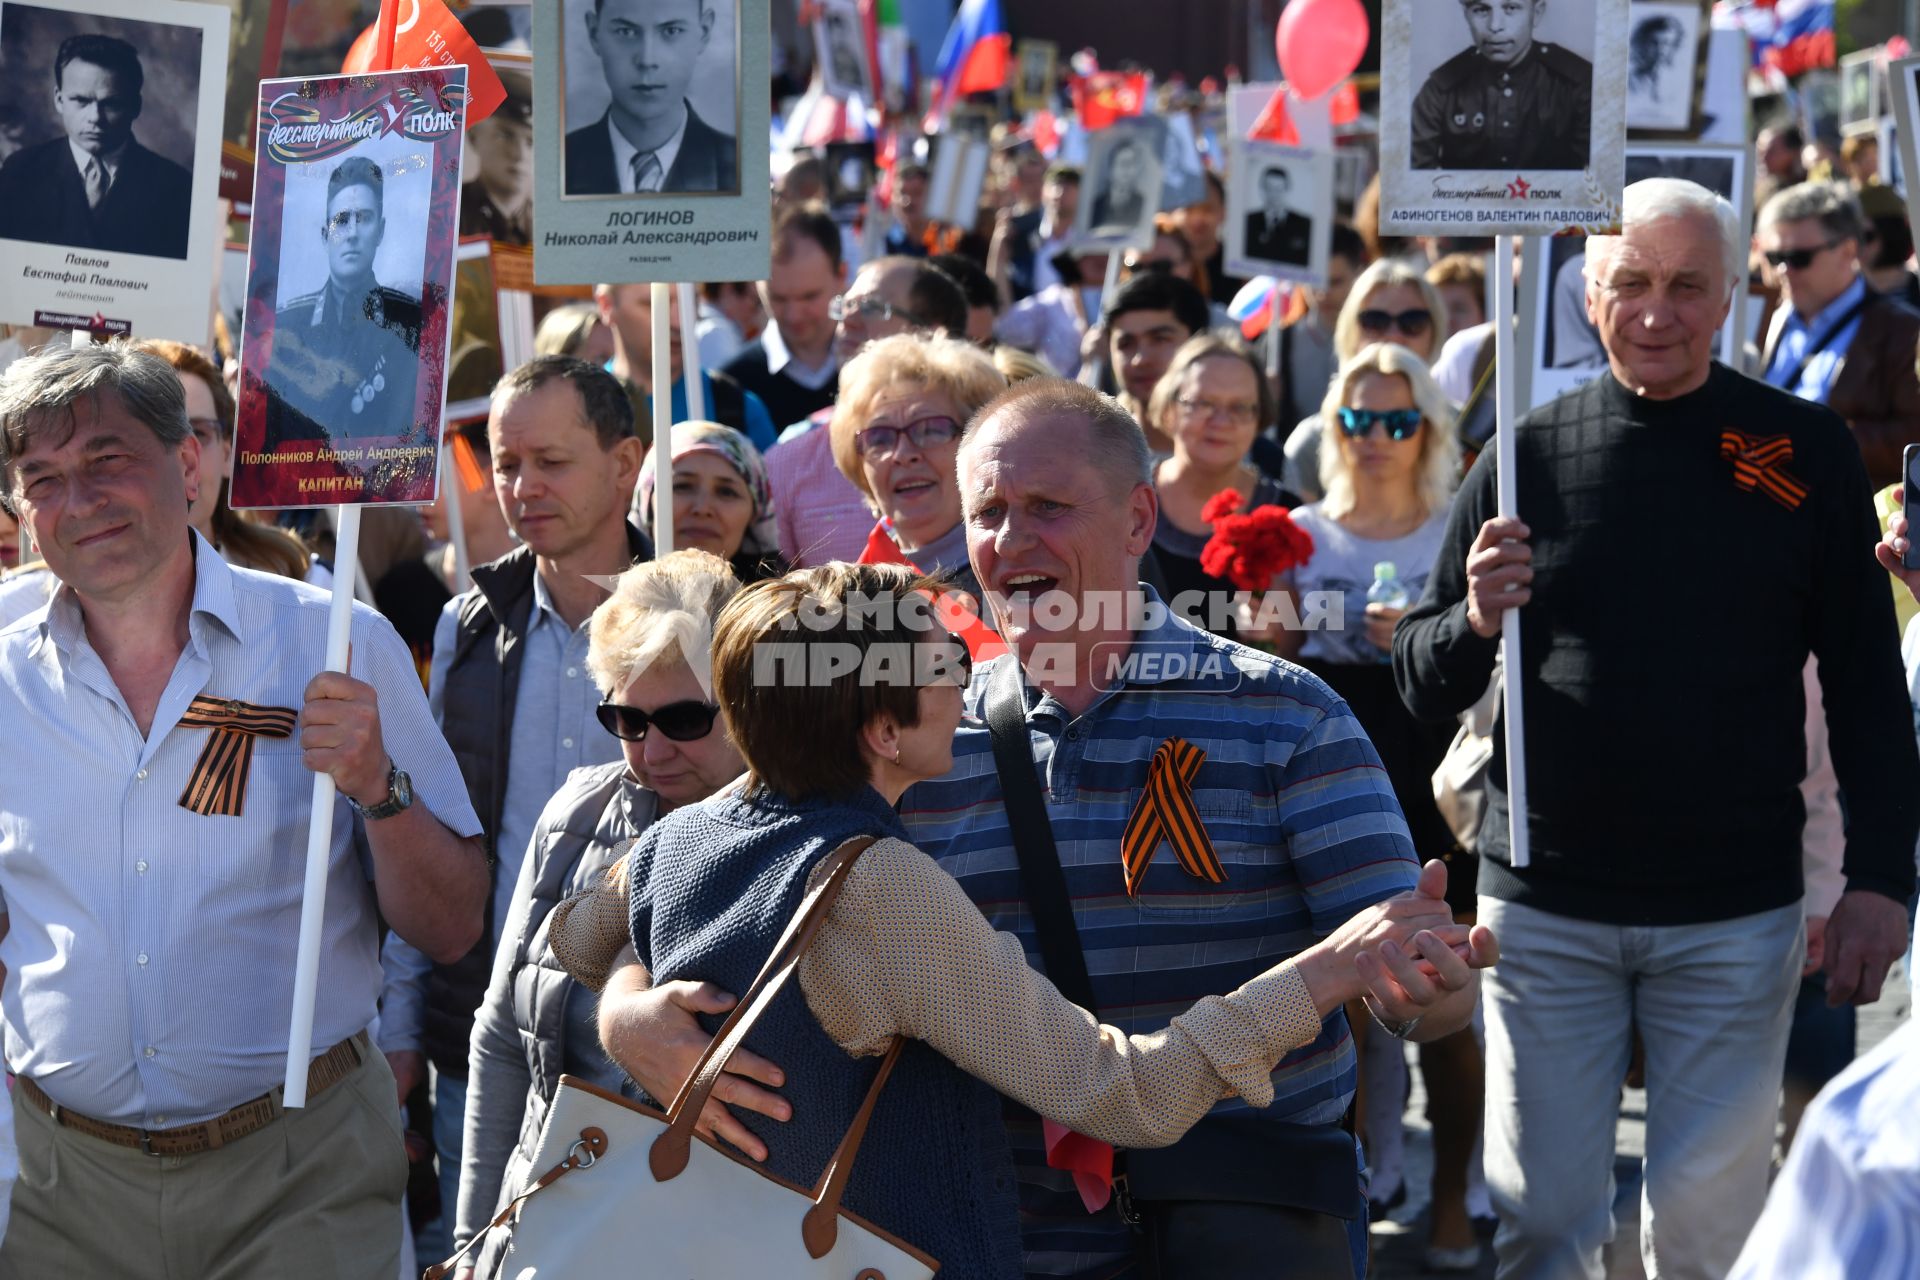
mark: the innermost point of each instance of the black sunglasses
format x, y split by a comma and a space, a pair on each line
1400, 423
1411, 323
680, 721
1797, 259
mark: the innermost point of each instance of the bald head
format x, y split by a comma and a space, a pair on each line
1114, 442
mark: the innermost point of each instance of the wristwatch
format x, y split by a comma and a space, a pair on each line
399, 796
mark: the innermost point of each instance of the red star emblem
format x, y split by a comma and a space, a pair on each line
99, 321
1518, 188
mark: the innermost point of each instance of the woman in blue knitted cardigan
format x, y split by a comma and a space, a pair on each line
837, 711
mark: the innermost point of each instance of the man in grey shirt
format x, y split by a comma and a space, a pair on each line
509, 670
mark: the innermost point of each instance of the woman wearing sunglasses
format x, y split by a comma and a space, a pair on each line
722, 503
649, 652
1388, 469
1390, 302
904, 952
903, 403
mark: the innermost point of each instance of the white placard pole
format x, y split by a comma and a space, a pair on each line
313, 900
1112, 281
1273, 339
662, 422
1512, 716
690, 354
452, 489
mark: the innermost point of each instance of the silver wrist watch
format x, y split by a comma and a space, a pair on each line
399, 796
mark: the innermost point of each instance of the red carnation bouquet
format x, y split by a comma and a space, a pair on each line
1249, 550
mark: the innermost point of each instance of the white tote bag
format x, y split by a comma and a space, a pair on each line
629, 1191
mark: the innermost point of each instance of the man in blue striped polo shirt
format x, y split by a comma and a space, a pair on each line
1059, 508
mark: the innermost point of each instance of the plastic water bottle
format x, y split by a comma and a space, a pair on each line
1387, 590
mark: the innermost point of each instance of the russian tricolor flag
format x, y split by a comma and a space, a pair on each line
1253, 307
974, 57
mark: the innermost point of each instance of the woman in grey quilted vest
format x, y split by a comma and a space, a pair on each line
648, 651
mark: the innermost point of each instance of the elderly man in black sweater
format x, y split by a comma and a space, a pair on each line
1690, 536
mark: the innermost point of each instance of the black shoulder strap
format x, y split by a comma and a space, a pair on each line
1041, 877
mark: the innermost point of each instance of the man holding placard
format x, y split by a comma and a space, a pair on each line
169, 725
1664, 886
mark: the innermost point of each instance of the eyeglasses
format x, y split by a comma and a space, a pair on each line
1412, 324
210, 427
868, 308
1797, 259
1400, 423
1240, 411
680, 721
880, 442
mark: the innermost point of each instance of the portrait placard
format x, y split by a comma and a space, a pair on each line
109, 164
496, 194
1724, 105
1900, 153
660, 172
473, 362
850, 172
1279, 212
1501, 116
1666, 66
1566, 346
956, 178
1120, 189
1036, 77
840, 47
1891, 171
253, 55
1862, 100
343, 366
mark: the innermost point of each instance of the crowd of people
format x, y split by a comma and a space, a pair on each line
576, 811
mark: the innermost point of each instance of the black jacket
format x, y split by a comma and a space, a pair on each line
708, 160
786, 400
148, 209
477, 700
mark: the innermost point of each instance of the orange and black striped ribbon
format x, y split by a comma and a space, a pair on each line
1759, 462
218, 784
1165, 811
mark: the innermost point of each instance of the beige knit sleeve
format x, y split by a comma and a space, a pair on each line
588, 929
904, 951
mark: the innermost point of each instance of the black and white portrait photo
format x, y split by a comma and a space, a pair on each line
850, 171
652, 94
1034, 74
1860, 96
1568, 349
1120, 191
347, 317
1513, 88
102, 110
1279, 211
840, 45
496, 196
1664, 64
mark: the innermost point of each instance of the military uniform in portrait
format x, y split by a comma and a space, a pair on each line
343, 368
1531, 113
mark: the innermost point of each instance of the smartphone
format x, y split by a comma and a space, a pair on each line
1910, 470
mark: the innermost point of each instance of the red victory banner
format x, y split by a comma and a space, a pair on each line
1106, 96
426, 34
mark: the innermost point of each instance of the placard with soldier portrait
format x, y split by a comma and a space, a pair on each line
1279, 212
1120, 186
660, 169
840, 47
253, 55
345, 352
1501, 115
1666, 65
109, 159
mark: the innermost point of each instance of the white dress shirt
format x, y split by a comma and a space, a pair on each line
150, 952
625, 152
780, 359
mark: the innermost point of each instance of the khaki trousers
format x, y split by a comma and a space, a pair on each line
314, 1194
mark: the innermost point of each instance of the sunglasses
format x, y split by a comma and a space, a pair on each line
1797, 259
680, 721
1410, 323
1359, 423
880, 442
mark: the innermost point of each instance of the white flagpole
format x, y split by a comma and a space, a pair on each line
1112, 281
662, 423
313, 901
690, 354
1512, 716
452, 487
1273, 343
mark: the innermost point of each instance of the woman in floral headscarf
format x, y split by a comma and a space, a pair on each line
721, 502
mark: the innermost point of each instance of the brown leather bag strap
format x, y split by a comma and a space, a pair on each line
586, 1150
821, 1226
672, 1149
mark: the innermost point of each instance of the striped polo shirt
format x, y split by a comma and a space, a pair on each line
1300, 813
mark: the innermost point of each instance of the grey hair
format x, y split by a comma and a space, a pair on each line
39, 395
1833, 204
660, 613
1652, 199
1439, 443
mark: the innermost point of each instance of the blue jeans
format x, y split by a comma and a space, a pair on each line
1713, 1003
434, 1241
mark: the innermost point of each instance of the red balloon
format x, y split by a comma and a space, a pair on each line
1319, 43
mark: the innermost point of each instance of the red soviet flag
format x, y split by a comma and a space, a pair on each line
426, 34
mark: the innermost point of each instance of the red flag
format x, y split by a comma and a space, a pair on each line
1345, 106
1274, 124
1046, 133
1107, 96
434, 38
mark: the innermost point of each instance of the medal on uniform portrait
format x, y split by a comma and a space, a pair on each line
349, 284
